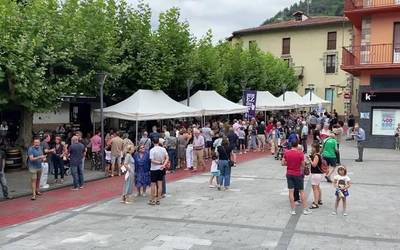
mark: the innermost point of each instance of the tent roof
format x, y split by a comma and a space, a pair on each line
267, 101
212, 103
149, 105
295, 100
313, 99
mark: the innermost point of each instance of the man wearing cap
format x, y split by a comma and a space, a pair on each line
198, 150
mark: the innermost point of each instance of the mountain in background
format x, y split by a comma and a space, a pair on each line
317, 8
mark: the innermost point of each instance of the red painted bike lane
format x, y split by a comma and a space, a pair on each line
23, 209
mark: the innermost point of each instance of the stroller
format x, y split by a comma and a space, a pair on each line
281, 149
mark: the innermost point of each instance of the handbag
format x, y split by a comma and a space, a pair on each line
306, 170
323, 166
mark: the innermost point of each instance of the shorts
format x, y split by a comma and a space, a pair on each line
209, 144
116, 160
295, 182
330, 161
241, 141
216, 173
34, 172
316, 179
345, 193
156, 175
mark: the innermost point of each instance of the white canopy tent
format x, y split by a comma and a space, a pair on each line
294, 100
211, 103
267, 101
146, 105
314, 100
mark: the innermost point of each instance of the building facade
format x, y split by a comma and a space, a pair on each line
374, 59
312, 45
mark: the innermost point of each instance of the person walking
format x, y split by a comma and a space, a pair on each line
171, 144
316, 175
293, 159
207, 134
304, 136
198, 150
3, 181
360, 137
329, 149
159, 159
117, 147
96, 143
35, 159
57, 159
261, 139
129, 169
142, 170
76, 154
226, 158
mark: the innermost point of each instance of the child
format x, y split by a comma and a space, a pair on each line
214, 171
108, 160
242, 139
342, 183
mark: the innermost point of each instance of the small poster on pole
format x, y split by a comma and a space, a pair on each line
250, 100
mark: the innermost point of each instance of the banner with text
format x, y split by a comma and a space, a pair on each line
250, 99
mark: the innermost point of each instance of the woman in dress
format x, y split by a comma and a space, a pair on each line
142, 170
129, 169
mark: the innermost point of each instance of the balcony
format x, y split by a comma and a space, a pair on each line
375, 56
354, 9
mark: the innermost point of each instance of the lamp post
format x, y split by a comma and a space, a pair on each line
283, 87
243, 84
189, 85
101, 78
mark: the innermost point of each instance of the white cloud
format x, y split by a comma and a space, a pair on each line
222, 16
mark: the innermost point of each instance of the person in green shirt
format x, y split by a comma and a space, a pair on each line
329, 154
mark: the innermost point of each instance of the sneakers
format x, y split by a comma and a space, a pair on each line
345, 214
293, 212
211, 186
334, 213
307, 212
358, 160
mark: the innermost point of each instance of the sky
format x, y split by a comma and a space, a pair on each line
221, 16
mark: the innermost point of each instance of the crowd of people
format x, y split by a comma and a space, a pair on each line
191, 147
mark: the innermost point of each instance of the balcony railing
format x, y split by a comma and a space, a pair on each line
371, 55
350, 5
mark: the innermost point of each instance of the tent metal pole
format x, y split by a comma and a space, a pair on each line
136, 132
265, 116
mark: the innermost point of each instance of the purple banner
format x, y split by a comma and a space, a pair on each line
250, 99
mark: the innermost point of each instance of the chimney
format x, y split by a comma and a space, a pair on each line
300, 16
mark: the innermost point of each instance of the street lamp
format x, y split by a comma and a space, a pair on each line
101, 78
311, 90
243, 84
189, 85
283, 87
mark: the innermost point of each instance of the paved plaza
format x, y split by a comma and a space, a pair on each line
254, 214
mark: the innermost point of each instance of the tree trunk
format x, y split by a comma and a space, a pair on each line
25, 132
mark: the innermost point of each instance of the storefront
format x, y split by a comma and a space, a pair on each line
379, 116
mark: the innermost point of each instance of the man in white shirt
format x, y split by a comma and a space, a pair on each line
198, 150
159, 159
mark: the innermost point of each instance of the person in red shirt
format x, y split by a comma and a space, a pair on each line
293, 159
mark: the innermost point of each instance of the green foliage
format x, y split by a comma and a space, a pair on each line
316, 7
49, 48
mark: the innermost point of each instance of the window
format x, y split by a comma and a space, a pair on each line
329, 94
332, 37
288, 61
384, 121
285, 46
330, 64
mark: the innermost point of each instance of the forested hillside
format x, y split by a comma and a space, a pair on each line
316, 8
